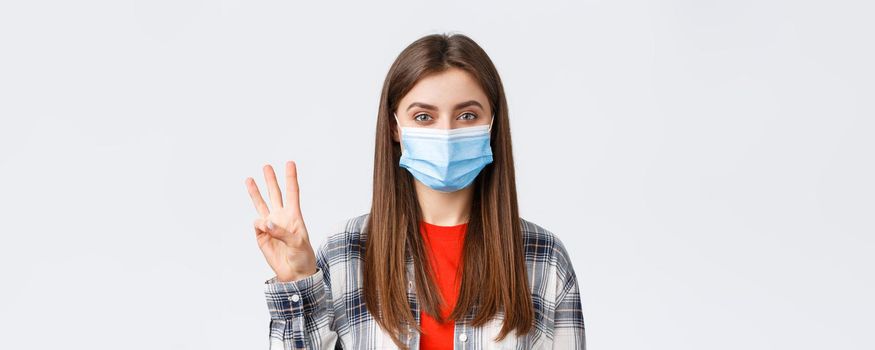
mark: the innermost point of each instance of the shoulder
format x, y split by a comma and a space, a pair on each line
548, 258
346, 238
540, 243
543, 246
351, 226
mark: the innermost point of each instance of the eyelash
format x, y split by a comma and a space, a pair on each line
416, 116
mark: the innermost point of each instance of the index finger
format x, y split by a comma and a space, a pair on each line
255, 195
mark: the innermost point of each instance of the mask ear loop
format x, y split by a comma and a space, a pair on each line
398, 124
490, 123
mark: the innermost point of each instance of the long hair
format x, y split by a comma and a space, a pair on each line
494, 277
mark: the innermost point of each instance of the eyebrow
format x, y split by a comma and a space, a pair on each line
458, 106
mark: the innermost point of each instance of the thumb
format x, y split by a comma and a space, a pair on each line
275, 230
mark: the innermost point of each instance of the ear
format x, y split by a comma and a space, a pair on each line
396, 134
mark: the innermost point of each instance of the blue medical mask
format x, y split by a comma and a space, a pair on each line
446, 160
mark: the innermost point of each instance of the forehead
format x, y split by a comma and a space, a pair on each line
445, 89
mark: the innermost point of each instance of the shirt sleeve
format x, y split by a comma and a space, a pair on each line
568, 325
301, 312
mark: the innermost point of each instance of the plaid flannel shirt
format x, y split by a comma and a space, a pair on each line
327, 310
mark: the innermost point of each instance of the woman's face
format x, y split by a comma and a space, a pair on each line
446, 100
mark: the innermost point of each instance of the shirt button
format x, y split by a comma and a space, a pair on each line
410, 284
463, 337
295, 298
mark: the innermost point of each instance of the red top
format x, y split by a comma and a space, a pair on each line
443, 245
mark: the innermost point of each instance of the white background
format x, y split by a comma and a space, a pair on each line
708, 164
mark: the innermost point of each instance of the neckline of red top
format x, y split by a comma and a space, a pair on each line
432, 229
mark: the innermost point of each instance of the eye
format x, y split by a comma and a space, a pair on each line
425, 117
467, 116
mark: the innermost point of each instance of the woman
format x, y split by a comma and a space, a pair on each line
442, 260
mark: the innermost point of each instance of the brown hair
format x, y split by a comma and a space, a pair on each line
494, 277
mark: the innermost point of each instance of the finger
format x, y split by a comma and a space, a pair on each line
258, 225
273, 188
293, 200
257, 200
275, 230
261, 235
264, 225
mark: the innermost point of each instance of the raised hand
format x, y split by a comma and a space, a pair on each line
280, 230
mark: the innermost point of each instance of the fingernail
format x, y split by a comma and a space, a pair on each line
269, 225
